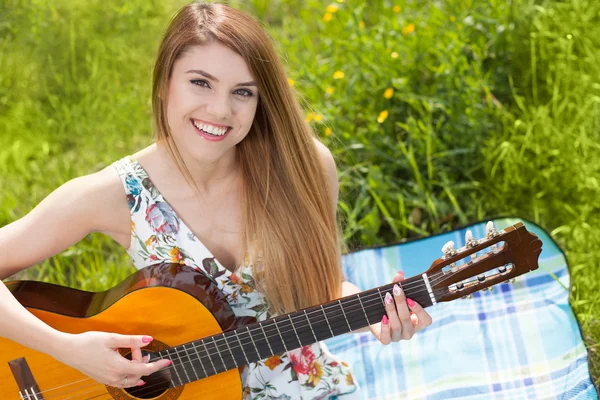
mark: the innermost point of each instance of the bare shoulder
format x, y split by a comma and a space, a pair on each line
330, 169
90, 203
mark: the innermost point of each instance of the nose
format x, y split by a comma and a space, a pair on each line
219, 106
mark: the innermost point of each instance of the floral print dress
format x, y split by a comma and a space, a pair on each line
159, 235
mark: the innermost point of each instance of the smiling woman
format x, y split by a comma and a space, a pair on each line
236, 186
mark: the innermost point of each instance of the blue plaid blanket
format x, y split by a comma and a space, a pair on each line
520, 341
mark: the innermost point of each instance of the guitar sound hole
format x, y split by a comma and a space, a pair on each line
156, 384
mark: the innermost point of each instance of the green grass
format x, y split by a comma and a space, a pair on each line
495, 111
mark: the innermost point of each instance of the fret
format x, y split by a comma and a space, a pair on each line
209, 357
266, 338
345, 317
219, 353
294, 328
279, 332
191, 362
183, 366
310, 325
381, 297
174, 369
252, 339
200, 359
233, 355
326, 320
363, 309
242, 347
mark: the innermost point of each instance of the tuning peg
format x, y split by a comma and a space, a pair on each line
484, 289
491, 288
490, 231
448, 248
470, 241
513, 280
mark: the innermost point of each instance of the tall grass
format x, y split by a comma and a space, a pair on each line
437, 113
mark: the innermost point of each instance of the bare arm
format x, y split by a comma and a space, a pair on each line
92, 203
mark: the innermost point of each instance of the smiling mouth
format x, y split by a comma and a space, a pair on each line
210, 130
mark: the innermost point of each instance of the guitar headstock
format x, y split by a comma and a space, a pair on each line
500, 256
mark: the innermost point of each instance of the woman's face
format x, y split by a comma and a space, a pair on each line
212, 101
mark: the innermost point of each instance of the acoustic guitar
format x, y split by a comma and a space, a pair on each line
193, 325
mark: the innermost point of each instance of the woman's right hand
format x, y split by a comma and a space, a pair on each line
96, 355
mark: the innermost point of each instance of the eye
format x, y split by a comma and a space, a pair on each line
245, 93
200, 82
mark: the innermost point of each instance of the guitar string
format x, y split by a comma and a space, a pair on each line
205, 354
201, 358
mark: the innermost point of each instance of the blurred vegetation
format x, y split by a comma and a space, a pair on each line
438, 114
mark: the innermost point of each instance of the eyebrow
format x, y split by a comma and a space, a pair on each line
209, 76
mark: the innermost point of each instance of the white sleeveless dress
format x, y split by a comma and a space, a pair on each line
159, 235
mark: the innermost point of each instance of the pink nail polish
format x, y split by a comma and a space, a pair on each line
141, 383
388, 298
169, 363
396, 290
384, 320
411, 302
147, 339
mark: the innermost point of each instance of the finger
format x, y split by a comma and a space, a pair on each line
414, 319
403, 313
399, 277
136, 354
384, 332
129, 341
423, 317
394, 322
145, 359
141, 369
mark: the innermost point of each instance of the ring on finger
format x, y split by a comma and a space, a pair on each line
126, 379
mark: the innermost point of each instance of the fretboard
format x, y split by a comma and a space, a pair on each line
215, 354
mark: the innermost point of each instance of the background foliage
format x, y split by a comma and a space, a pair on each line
438, 113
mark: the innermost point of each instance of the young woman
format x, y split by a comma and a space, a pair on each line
235, 177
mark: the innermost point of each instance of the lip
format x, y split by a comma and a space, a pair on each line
211, 123
208, 137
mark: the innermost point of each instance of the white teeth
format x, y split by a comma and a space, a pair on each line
213, 130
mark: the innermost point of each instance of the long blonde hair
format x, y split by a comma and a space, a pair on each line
288, 217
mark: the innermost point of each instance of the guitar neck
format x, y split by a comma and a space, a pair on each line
214, 354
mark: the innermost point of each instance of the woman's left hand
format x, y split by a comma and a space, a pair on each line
404, 316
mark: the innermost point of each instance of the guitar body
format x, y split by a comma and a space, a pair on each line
172, 303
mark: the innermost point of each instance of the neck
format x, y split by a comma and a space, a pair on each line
208, 176
212, 355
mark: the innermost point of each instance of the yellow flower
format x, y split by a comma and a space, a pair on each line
332, 8
410, 28
132, 226
327, 132
383, 116
176, 256
309, 117
314, 374
394, 55
273, 362
291, 82
327, 17
318, 117
389, 92
361, 24
330, 90
396, 9
338, 75
349, 380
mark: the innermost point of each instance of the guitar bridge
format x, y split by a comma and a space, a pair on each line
28, 388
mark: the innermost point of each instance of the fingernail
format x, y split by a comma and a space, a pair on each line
411, 302
401, 273
147, 339
384, 320
142, 383
388, 298
169, 363
396, 290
